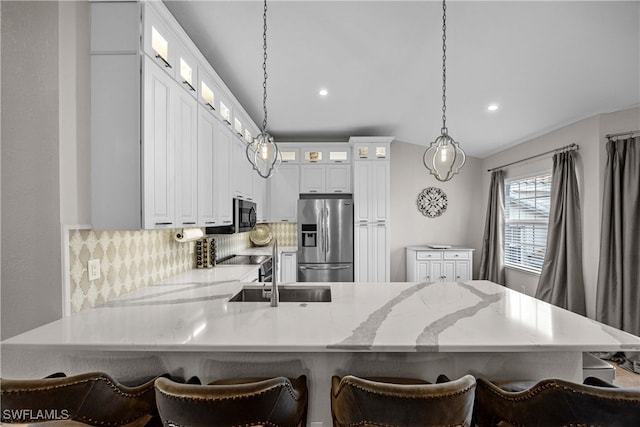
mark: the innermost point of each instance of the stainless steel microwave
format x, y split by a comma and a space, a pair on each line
244, 215
244, 219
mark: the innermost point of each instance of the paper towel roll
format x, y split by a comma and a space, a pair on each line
189, 234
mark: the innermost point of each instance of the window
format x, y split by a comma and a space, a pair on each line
526, 214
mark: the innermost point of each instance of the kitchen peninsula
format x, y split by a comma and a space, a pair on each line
187, 326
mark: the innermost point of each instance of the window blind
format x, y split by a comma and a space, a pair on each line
527, 202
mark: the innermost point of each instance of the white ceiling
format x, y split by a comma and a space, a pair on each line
546, 63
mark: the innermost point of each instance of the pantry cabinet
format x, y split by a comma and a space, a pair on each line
371, 200
425, 264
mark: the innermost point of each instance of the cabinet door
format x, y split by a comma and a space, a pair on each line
361, 185
222, 194
422, 272
157, 149
463, 270
284, 190
186, 157
260, 196
312, 179
449, 271
361, 253
288, 267
338, 179
206, 160
160, 44
379, 192
379, 261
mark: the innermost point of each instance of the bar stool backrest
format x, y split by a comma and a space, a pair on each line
363, 402
276, 401
555, 402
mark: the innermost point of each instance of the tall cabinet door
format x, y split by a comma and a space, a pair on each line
186, 157
379, 191
206, 160
158, 150
223, 196
361, 188
361, 238
379, 261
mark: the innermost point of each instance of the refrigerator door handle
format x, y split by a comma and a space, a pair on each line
332, 267
326, 231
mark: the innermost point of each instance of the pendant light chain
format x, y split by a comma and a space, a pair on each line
264, 69
444, 129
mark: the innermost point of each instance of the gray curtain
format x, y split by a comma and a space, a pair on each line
618, 294
561, 282
492, 261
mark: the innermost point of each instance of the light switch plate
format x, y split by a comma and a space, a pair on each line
93, 269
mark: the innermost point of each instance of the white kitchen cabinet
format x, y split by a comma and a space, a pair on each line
145, 150
158, 148
185, 133
260, 186
325, 178
288, 267
371, 200
372, 255
242, 171
312, 178
214, 151
425, 264
284, 190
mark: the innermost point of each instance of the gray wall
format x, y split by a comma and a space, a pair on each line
461, 224
31, 288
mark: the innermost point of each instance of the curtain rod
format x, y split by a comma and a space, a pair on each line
566, 147
630, 133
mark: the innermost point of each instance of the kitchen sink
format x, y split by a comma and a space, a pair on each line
286, 293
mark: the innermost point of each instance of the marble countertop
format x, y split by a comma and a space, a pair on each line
266, 250
192, 312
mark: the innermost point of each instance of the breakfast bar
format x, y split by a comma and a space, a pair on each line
188, 326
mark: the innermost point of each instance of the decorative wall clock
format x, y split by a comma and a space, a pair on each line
432, 202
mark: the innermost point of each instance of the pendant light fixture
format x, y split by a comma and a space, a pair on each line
444, 157
262, 152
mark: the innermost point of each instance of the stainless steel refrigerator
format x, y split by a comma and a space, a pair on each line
325, 238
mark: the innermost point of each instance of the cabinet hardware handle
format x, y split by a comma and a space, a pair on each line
189, 84
210, 106
443, 277
226, 222
227, 122
188, 223
210, 222
166, 64
284, 220
457, 277
164, 223
338, 191
313, 191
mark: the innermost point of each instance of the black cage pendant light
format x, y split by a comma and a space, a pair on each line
444, 157
263, 152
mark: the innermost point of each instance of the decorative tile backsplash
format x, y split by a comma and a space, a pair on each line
285, 232
131, 260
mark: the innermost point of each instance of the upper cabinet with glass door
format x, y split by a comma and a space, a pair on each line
329, 153
187, 72
160, 43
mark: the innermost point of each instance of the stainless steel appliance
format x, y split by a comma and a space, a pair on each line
325, 238
244, 219
265, 272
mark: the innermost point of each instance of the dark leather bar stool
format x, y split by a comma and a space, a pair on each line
276, 401
93, 399
401, 402
555, 402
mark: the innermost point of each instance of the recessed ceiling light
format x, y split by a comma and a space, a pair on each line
323, 92
492, 107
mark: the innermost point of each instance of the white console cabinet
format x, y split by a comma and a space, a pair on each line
426, 264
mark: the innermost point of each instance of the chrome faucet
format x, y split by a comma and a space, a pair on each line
273, 293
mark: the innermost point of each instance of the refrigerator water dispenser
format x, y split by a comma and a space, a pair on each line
309, 235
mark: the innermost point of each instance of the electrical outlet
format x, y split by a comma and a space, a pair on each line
93, 269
